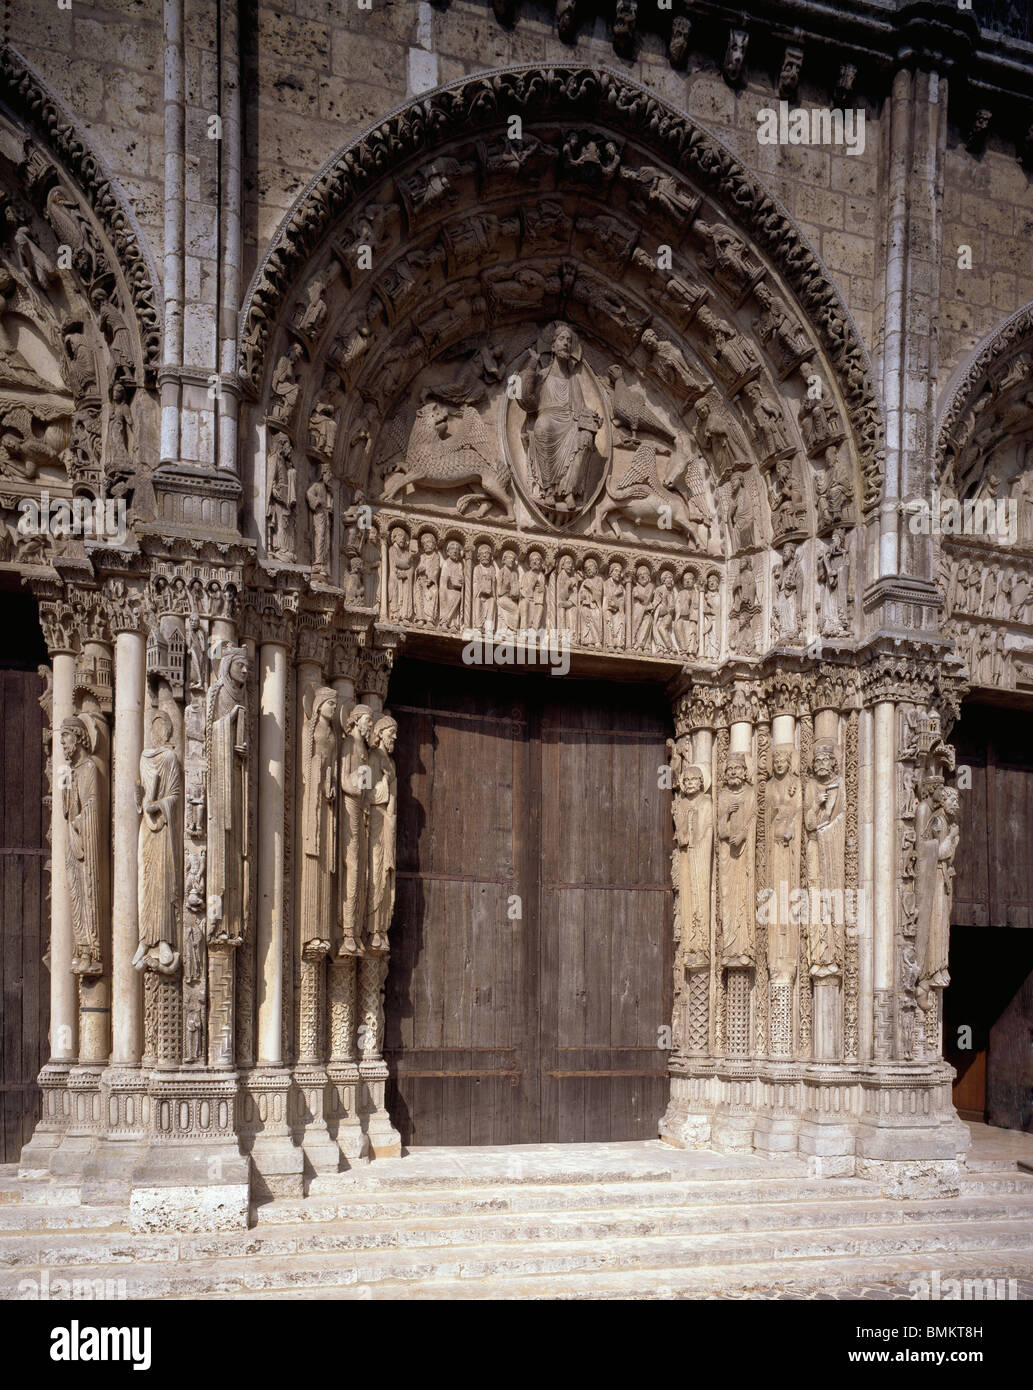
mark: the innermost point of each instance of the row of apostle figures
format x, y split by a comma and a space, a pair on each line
349, 814
805, 846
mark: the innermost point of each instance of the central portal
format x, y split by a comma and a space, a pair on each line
529, 990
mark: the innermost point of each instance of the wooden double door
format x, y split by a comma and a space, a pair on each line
530, 980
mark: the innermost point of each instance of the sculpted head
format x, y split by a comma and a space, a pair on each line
427, 543
692, 782
161, 729
825, 760
73, 737
535, 561
591, 567
713, 581
782, 759
452, 550
563, 343
397, 536
359, 720
484, 554
385, 733
324, 706
735, 771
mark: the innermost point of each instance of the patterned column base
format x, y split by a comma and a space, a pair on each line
85, 1122
193, 1176
344, 1115
308, 1120
46, 1137
277, 1162
384, 1139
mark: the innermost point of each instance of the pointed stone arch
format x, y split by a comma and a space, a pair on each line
479, 217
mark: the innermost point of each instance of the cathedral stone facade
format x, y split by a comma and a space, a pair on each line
343, 343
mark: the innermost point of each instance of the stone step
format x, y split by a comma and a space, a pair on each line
106, 1247
365, 1204
362, 1203
521, 1165
269, 1264
26, 1216
884, 1276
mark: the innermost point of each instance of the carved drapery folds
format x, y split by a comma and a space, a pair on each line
159, 801
928, 839
765, 865
85, 799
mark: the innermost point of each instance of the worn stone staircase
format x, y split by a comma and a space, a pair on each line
545, 1221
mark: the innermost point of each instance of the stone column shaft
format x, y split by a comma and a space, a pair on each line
128, 741
272, 676
884, 875
64, 994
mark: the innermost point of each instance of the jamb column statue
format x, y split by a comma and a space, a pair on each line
384, 1140
316, 804
85, 804
357, 728
342, 1068
226, 777
936, 835
736, 832
383, 820
159, 799
825, 823
784, 830
692, 867
85, 800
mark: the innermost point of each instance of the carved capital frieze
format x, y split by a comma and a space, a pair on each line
125, 606
59, 627
346, 658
